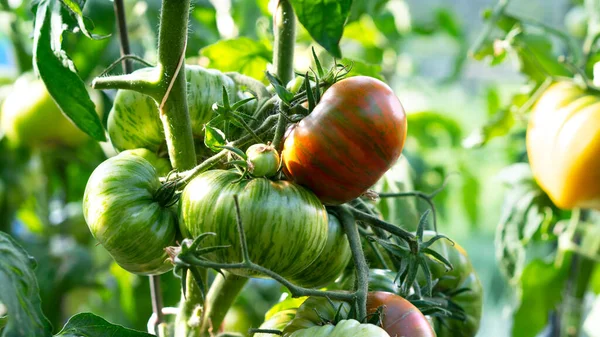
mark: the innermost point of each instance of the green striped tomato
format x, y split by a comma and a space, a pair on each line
462, 276
122, 214
331, 262
134, 120
353, 136
161, 165
344, 328
285, 224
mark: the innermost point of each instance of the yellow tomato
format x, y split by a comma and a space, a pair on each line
563, 145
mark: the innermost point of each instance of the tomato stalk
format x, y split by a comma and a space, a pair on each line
254, 85
580, 275
362, 269
284, 29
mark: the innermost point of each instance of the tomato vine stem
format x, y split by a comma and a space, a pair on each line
254, 85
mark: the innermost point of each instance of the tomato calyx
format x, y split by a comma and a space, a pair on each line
167, 195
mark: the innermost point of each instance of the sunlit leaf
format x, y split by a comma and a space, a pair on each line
324, 20
90, 325
244, 55
58, 73
214, 138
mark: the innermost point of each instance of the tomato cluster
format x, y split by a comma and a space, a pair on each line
353, 136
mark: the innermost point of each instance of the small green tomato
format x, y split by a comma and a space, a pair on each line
263, 160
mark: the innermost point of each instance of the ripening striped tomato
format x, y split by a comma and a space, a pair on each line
352, 137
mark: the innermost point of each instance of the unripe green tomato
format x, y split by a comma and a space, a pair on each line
331, 262
263, 160
576, 22
344, 328
285, 224
134, 121
161, 165
120, 209
30, 117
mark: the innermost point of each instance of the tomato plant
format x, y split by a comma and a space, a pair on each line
354, 135
122, 212
207, 205
562, 143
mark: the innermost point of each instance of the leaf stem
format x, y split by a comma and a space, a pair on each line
254, 85
221, 295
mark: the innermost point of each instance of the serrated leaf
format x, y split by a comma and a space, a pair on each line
324, 20
20, 292
243, 55
214, 138
58, 73
90, 325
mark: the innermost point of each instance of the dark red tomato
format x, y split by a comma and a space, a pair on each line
400, 317
352, 137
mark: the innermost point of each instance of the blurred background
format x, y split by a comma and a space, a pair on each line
421, 48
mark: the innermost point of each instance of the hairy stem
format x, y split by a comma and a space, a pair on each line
172, 40
284, 29
362, 269
223, 291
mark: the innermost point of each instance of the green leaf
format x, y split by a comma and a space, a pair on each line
58, 73
76, 10
542, 285
214, 138
324, 20
527, 211
432, 129
20, 292
243, 55
90, 325
471, 192
359, 68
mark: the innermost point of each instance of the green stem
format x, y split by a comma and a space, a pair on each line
189, 317
284, 29
579, 279
362, 269
145, 83
254, 85
172, 40
219, 298
389, 227
489, 27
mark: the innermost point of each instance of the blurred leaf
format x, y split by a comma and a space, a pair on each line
401, 211
500, 125
245, 14
492, 98
536, 57
90, 325
214, 138
203, 26
243, 55
432, 129
527, 211
324, 20
366, 7
449, 23
20, 293
542, 285
58, 73
360, 68
471, 193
